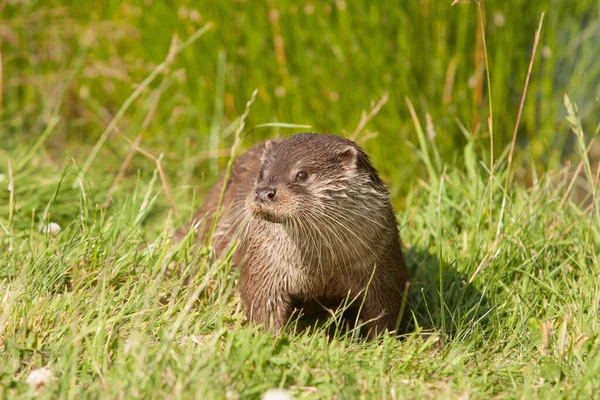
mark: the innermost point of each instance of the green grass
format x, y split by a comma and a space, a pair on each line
81, 62
115, 308
505, 265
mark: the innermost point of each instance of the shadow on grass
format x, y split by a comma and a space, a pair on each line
442, 299
445, 304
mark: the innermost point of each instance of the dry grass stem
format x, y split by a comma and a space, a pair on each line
365, 118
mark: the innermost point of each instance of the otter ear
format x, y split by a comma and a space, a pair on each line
267, 147
346, 155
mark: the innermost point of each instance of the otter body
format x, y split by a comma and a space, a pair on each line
314, 224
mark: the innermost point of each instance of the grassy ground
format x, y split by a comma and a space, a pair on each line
506, 299
506, 287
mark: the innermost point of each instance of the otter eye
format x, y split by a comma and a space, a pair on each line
301, 176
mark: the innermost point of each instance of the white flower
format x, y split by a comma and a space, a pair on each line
52, 228
38, 378
276, 394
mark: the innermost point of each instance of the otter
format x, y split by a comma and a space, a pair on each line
313, 225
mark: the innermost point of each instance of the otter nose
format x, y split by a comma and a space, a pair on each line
265, 194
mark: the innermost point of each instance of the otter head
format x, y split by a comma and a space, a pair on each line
308, 175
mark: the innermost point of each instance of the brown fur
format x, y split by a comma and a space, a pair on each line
323, 236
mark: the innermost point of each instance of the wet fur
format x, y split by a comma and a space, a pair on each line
329, 238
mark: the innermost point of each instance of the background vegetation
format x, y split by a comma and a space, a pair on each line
314, 63
504, 251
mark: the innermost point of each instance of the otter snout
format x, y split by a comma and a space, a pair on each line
265, 194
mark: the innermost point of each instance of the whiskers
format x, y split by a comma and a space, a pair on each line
335, 233
332, 234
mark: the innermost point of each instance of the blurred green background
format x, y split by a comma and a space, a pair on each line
320, 63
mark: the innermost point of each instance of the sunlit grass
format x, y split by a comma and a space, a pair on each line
319, 64
98, 299
113, 306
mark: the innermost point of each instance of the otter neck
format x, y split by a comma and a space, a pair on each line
338, 240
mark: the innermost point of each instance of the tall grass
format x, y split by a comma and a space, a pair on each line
115, 308
314, 63
505, 275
